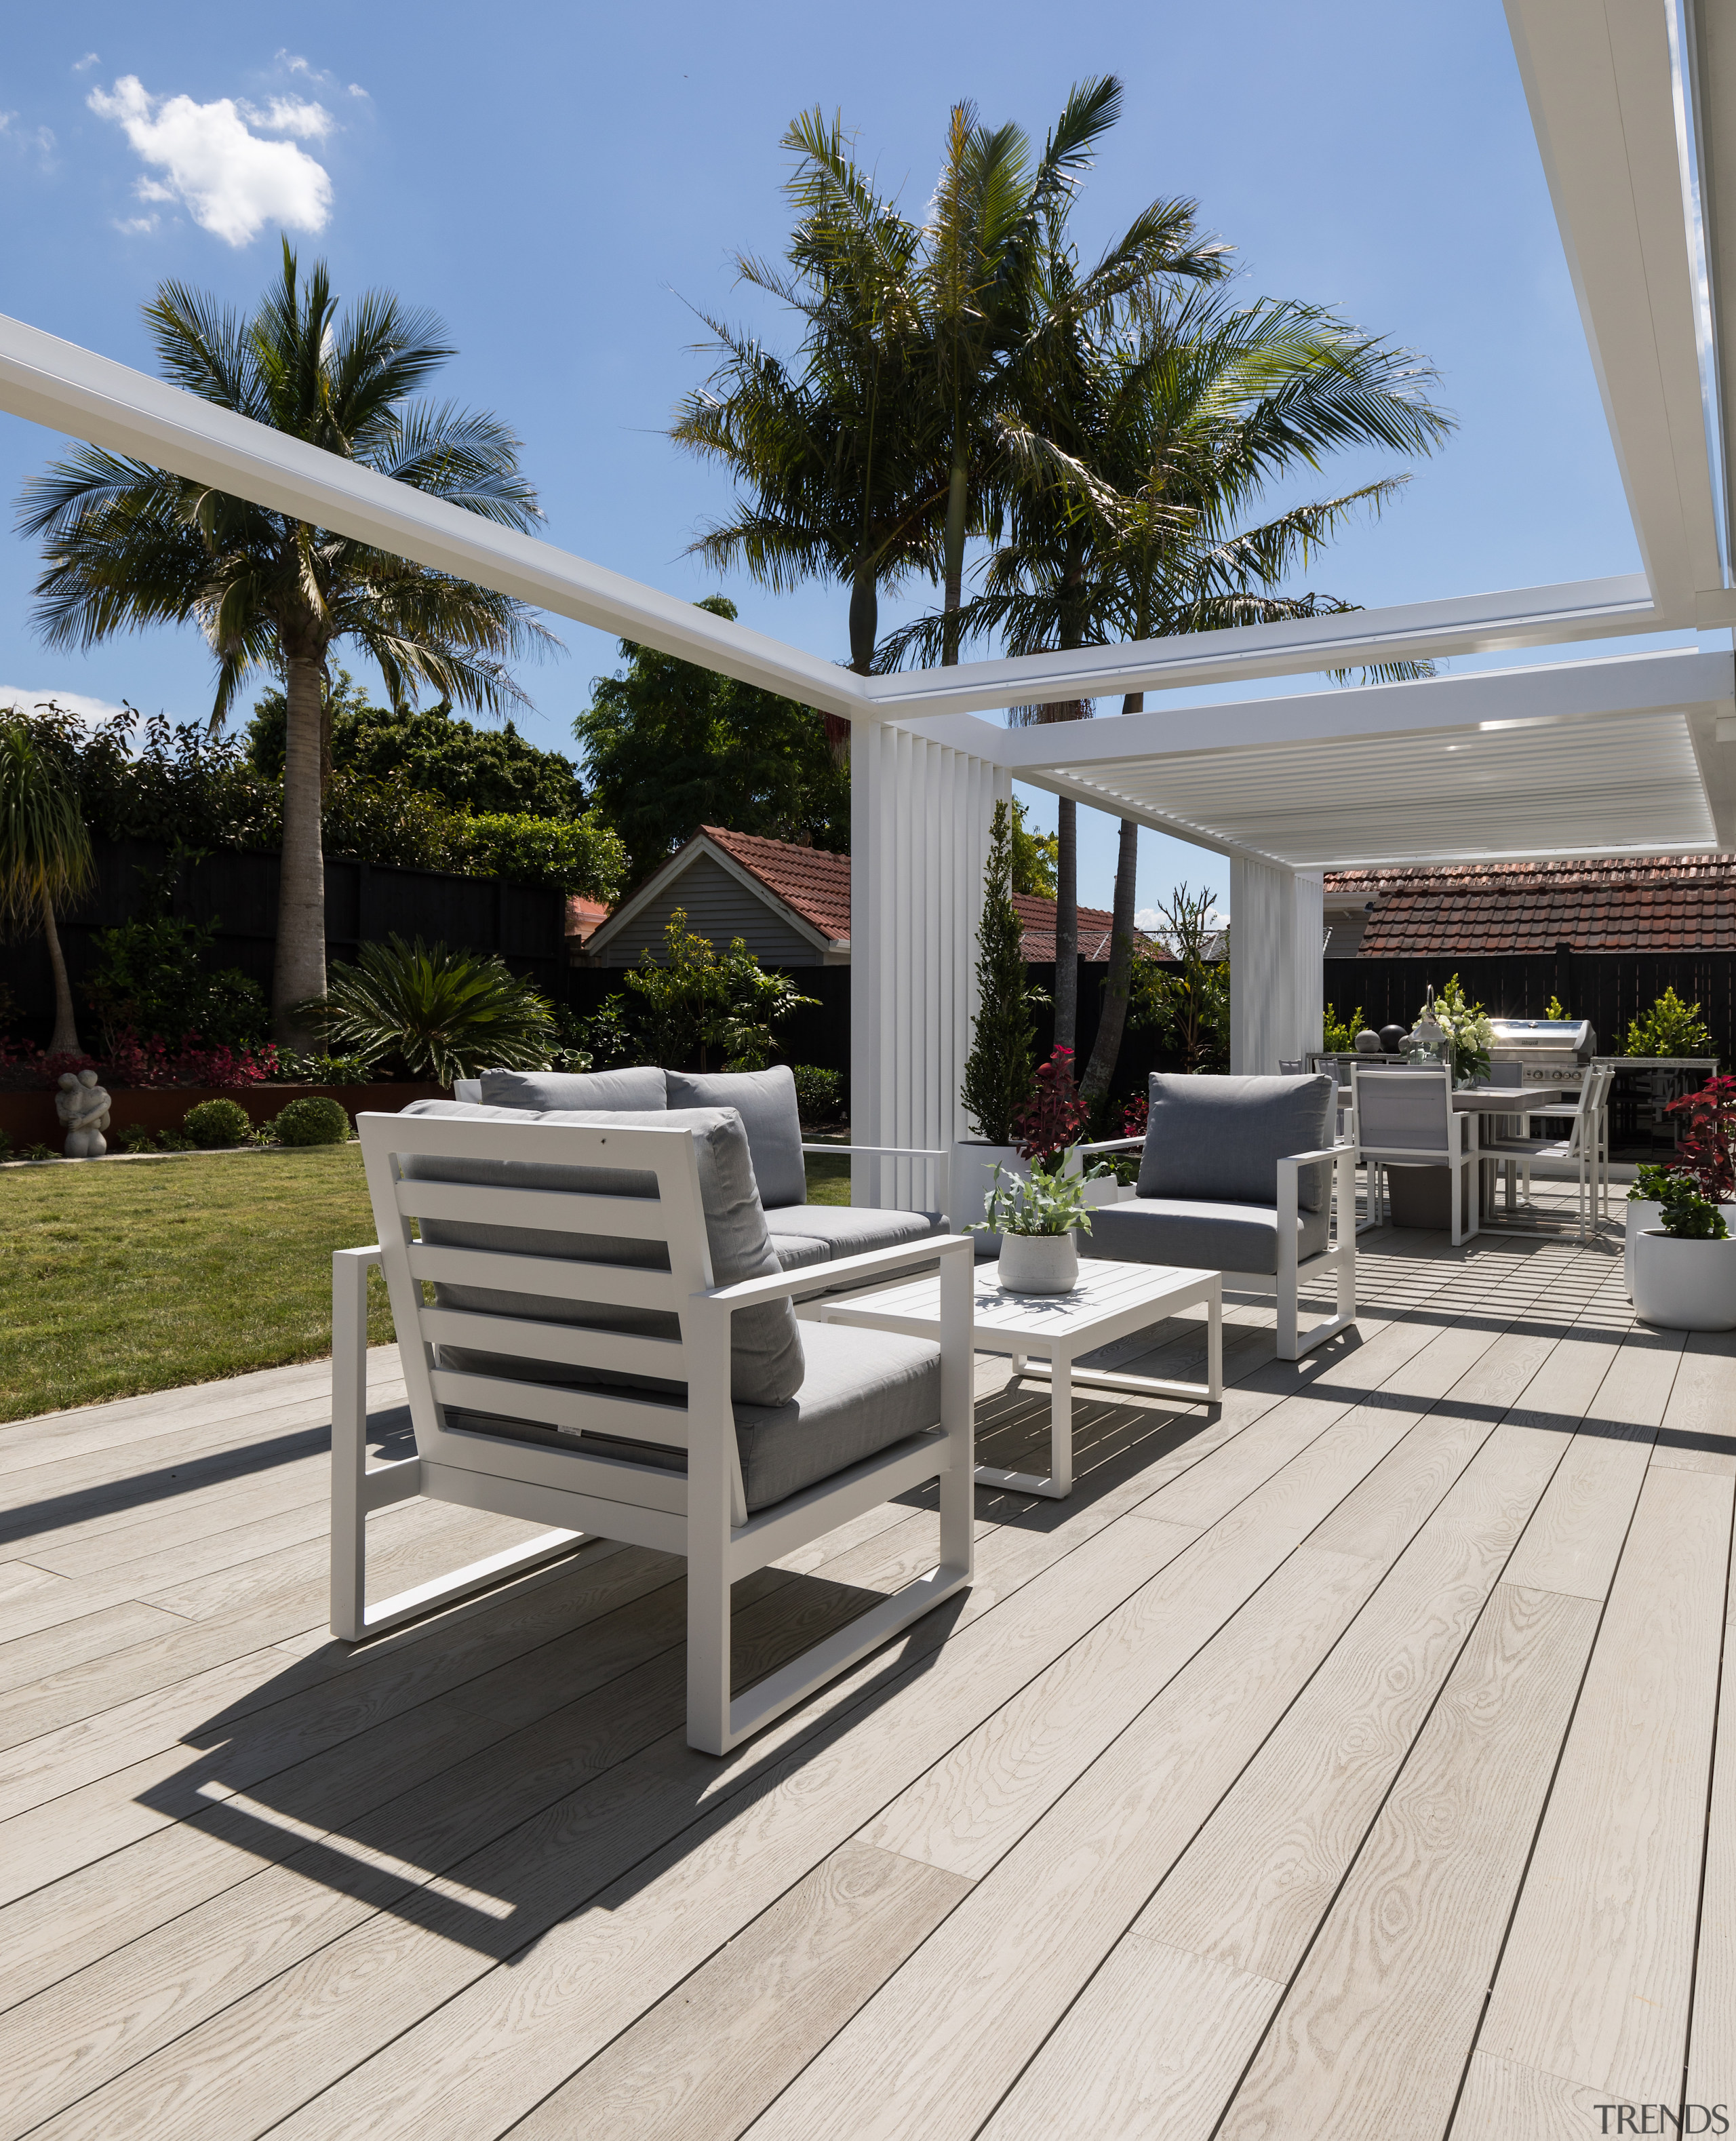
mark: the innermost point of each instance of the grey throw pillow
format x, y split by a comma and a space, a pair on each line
766, 1364
1220, 1139
541, 1090
765, 1101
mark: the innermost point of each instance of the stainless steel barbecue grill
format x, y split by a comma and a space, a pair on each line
1550, 1051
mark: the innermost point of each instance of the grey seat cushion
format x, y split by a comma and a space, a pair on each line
864, 1392
765, 1358
1220, 1139
847, 1230
1203, 1235
542, 1091
765, 1101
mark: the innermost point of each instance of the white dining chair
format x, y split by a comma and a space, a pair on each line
1405, 1118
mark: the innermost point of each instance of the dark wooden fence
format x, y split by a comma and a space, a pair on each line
1610, 988
364, 902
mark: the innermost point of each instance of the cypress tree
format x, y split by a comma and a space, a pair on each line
998, 1070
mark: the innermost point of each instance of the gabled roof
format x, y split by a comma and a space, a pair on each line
1036, 922
1638, 903
812, 882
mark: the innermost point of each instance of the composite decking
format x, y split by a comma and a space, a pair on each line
1347, 1762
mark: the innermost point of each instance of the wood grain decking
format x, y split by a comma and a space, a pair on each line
1352, 1762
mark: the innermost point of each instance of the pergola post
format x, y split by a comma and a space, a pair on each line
1277, 994
920, 814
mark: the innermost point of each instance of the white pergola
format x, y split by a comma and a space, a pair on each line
1634, 104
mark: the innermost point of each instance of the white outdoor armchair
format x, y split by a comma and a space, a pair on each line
580, 1366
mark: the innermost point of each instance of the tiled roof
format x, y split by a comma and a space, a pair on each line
813, 882
1637, 904
584, 916
816, 885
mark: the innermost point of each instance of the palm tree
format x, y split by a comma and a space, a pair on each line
44, 854
1160, 440
886, 449
127, 546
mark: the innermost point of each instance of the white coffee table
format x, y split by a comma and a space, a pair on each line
1050, 1330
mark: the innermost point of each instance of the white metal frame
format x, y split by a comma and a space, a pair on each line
702, 1515
1457, 1153
1586, 1144
1338, 1259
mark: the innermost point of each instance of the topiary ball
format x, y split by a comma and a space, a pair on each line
214, 1122
316, 1119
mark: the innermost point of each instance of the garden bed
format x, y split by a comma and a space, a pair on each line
29, 1117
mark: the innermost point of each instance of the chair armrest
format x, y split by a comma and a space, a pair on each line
870, 1264
887, 1151
1113, 1144
1308, 1158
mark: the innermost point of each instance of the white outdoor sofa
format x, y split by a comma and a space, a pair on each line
1230, 1180
612, 1350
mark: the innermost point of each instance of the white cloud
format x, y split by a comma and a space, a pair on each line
291, 115
1147, 917
80, 703
24, 139
291, 62
231, 181
80, 67
356, 90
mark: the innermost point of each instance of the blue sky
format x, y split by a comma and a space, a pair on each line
562, 183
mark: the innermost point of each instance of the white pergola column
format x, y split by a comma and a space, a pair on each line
920, 814
1277, 979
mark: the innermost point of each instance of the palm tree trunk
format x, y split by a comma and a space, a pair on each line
1106, 1048
1066, 924
66, 1023
957, 506
300, 969
1094, 1086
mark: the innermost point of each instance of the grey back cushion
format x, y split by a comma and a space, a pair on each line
765, 1355
542, 1091
765, 1101
1220, 1139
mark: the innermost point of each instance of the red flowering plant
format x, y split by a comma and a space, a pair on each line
1707, 1147
135, 1062
1136, 1116
1053, 1117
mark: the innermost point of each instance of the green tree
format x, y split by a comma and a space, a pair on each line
999, 1073
693, 998
671, 747
1189, 1010
44, 854
429, 749
1034, 858
1167, 426
127, 545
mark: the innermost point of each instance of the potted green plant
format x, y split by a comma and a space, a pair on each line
1036, 1216
1645, 1208
1683, 1269
998, 1073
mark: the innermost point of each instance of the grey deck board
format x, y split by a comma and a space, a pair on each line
1213, 1807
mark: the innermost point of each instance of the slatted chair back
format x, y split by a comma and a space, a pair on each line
649, 1209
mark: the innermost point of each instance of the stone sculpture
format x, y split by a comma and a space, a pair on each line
83, 1108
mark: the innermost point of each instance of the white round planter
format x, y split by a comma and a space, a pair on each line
1641, 1214
1684, 1286
1039, 1263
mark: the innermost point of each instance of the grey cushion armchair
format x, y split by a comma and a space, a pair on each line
1241, 1175
611, 1348
803, 1236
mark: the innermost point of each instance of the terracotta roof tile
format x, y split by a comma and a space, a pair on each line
1633, 903
815, 883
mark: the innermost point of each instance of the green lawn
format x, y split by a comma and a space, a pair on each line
115, 1280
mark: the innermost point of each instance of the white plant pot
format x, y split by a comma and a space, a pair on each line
1641, 1214
970, 1176
1039, 1263
1685, 1286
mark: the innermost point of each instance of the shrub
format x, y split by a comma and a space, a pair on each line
289, 1068
1670, 1028
40, 1152
316, 1119
156, 977
693, 1000
135, 1138
432, 1013
1339, 1036
818, 1094
216, 1123
1053, 1117
998, 1072
6, 1145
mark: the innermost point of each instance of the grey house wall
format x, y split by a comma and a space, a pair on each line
718, 907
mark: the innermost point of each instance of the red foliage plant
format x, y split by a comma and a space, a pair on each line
1136, 1116
1055, 1116
1708, 1148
